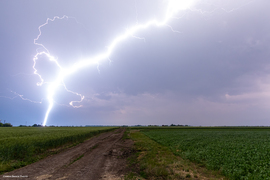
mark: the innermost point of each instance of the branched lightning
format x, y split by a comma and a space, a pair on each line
21, 96
173, 7
26, 99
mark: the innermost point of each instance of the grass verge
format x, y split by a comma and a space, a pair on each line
154, 161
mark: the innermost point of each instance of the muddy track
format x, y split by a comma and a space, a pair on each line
101, 157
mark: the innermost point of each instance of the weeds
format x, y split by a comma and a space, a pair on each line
126, 135
76, 159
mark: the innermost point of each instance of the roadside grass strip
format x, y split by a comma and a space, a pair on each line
155, 161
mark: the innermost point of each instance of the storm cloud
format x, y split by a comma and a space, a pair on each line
213, 71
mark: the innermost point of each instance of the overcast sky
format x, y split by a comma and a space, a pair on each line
214, 70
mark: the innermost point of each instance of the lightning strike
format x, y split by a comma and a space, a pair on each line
174, 6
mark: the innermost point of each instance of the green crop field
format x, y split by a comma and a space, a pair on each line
238, 153
20, 146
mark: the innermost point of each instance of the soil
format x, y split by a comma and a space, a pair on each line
101, 157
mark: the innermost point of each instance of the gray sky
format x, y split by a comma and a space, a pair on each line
214, 70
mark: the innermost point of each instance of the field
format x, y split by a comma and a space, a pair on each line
20, 146
157, 153
237, 153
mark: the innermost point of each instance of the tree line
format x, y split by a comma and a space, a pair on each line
5, 125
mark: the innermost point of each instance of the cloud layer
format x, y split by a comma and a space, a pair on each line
214, 72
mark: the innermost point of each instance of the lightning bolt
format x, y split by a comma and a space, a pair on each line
173, 7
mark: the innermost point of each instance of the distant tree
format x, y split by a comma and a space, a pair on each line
173, 125
37, 125
22, 126
1, 124
34, 125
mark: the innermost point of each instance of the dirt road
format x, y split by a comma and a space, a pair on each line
101, 157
